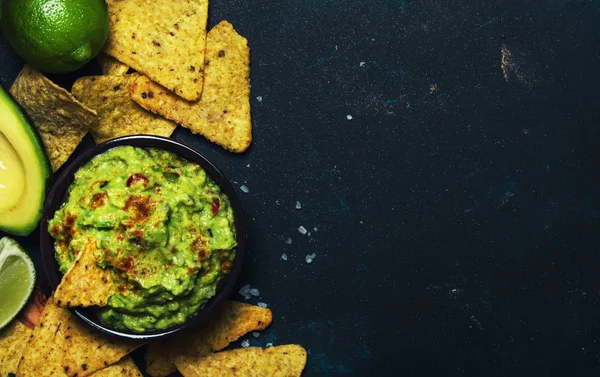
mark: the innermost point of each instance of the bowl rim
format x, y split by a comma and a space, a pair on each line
58, 195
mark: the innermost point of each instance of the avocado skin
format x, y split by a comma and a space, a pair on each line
30, 149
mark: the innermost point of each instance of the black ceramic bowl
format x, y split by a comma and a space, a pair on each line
58, 196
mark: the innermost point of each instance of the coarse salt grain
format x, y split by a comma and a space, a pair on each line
310, 257
315, 229
245, 291
254, 292
255, 334
259, 98
288, 241
349, 117
284, 256
245, 188
362, 63
302, 229
269, 344
298, 205
245, 343
262, 305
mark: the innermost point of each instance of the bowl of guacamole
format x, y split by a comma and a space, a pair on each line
167, 226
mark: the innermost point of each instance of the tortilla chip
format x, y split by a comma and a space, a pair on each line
165, 41
223, 113
281, 361
118, 115
43, 354
90, 350
13, 340
124, 368
60, 119
111, 66
235, 320
85, 283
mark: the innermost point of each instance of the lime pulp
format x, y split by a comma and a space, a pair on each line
17, 278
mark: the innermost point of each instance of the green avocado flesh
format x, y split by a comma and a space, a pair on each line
24, 169
160, 223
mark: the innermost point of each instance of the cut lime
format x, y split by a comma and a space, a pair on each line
17, 278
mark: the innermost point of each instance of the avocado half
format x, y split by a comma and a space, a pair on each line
24, 170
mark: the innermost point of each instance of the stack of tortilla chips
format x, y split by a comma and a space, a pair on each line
180, 74
60, 345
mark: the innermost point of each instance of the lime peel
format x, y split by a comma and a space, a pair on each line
17, 279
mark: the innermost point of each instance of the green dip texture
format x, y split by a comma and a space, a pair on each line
159, 222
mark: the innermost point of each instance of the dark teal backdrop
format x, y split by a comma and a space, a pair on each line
454, 217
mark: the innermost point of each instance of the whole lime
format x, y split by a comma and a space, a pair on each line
55, 36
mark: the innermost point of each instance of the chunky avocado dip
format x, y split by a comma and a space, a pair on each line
159, 222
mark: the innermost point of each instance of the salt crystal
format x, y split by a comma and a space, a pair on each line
259, 98
248, 165
245, 188
362, 63
255, 334
349, 117
284, 256
269, 344
302, 229
245, 343
310, 257
298, 205
254, 292
245, 291
262, 305
288, 241
315, 228
309, 234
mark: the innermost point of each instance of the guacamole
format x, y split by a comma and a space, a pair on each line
160, 223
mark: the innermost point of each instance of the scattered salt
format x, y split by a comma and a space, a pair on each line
309, 234
298, 205
259, 98
310, 257
245, 188
288, 241
315, 228
262, 305
284, 256
245, 291
269, 344
349, 117
245, 343
302, 229
362, 63
254, 292
255, 334
248, 165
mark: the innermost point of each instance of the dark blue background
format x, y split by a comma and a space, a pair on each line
457, 209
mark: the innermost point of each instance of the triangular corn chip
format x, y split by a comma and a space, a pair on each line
111, 66
85, 283
124, 368
281, 361
89, 351
223, 113
235, 320
13, 339
118, 115
60, 119
43, 354
164, 41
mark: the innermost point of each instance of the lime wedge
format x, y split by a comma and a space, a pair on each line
17, 278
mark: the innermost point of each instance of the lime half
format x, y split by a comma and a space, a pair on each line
17, 278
